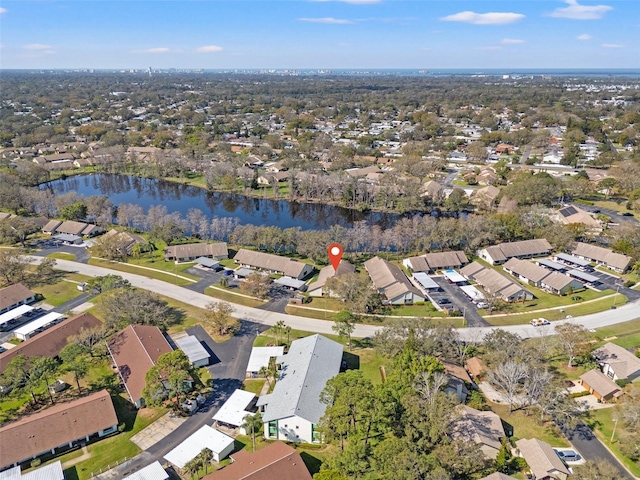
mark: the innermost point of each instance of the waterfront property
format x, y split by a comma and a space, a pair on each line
392, 283
273, 263
191, 251
318, 289
499, 254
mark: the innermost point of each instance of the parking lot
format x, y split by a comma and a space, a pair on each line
458, 300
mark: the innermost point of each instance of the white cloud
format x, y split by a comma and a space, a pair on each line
209, 49
575, 11
612, 45
584, 37
157, 50
352, 2
511, 41
490, 18
328, 20
37, 46
3, 10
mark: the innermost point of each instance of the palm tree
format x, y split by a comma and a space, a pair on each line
253, 423
204, 458
192, 467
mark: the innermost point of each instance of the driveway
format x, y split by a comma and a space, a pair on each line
461, 301
590, 448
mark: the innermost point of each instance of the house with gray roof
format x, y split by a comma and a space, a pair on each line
602, 256
499, 254
317, 288
392, 283
294, 408
543, 461
482, 428
494, 283
273, 263
430, 262
617, 363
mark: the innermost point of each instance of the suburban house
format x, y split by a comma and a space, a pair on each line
80, 229
482, 428
153, 471
271, 178
457, 381
617, 363
602, 256
430, 262
51, 471
433, 190
499, 254
572, 214
273, 263
191, 251
57, 428
476, 367
541, 277
316, 289
391, 282
294, 409
498, 476
134, 351
486, 197
600, 386
276, 461
50, 342
51, 226
126, 241
495, 283
543, 461
15, 295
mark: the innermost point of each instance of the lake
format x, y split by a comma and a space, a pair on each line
147, 192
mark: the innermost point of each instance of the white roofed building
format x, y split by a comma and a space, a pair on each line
192, 347
220, 444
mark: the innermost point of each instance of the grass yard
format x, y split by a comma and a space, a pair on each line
230, 295
625, 334
369, 362
602, 423
253, 385
130, 268
305, 312
558, 314
58, 293
529, 426
62, 256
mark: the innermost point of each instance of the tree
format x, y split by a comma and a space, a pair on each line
91, 340
17, 229
75, 360
43, 369
278, 329
75, 211
257, 285
106, 283
573, 341
13, 266
218, 317
252, 423
596, 470
167, 378
344, 325
607, 185
508, 377
17, 374
125, 306
205, 457
113, 247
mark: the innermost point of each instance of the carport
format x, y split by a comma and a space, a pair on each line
454, 277
207, 263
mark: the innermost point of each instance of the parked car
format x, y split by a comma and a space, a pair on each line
483, 305
444, 301
568, 455
228, 273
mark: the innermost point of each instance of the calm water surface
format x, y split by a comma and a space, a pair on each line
147, 192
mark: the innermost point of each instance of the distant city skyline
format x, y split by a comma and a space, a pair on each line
331, 34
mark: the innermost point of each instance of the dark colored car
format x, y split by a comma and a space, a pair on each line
444, 301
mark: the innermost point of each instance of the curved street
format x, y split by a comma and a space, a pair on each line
629, 311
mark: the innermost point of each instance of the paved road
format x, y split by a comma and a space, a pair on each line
616, 217
630, 311
591, 448
470, 311
525, 154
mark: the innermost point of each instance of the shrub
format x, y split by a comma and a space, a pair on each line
35, 462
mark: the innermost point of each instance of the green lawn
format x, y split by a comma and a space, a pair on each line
62, 256
291, 309
369, 362
602, 423
253, 385
529, 426
559, 314
130, 268
58, 293
233, 295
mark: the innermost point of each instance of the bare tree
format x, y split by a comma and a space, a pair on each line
508, 377
573, 341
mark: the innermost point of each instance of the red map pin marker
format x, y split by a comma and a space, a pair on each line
335, 255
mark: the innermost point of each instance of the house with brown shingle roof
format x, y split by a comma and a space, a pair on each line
498, 476
482, 428
72, 228
50, 342
499, 254
273, 263
277, 461
602, 256
15, 295
430, 262
51, 226
191, 251
494, 283
316, 289
543, 461
391, 282
134, 351
600, 386
617, 363
57, 428
476, 367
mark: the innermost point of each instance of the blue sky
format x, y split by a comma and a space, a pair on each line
320, 34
